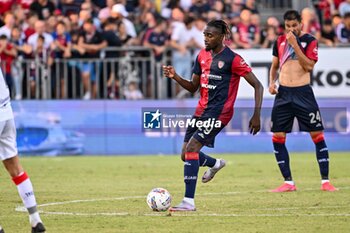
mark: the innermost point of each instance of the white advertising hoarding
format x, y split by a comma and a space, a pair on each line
330, 77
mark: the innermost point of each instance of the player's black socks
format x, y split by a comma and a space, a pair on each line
206, 160
282, 157
191, 167
322, 156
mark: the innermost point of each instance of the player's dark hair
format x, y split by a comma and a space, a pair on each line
221, 25
292, 15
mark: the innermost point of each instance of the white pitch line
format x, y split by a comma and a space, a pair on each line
23, 209
86, 214
91, 200
253, 215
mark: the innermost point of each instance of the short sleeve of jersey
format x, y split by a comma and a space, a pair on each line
312, 50
240, 67
275, 49
196, 67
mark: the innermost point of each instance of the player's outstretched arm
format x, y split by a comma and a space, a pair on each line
254, 123
191, 86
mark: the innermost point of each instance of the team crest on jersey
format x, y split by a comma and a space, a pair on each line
221, 64
303, 44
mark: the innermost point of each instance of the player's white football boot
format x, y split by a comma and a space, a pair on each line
210, 173
183, 206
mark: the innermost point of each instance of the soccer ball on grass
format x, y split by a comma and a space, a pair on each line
159, 199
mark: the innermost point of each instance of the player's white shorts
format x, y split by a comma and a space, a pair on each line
8, 147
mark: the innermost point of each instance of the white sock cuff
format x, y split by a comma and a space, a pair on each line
290, 182
217, 163
189, 200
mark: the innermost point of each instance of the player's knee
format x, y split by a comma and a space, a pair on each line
13, 166
317, 136
279, 138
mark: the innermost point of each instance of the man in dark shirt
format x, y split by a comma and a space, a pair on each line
43, 8
92, 41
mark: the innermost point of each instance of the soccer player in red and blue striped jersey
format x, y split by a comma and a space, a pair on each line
294, 55
216, 72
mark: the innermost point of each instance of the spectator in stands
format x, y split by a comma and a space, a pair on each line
310, 23
62, 49
271, 21
20, 15
9, 24
110, 67
133, 92
246, 32
71, 6
42, 60
270, 38
336, 20
166, 11
185, 4
343, 30
148, 24
74, 21
324, 9
344, 7
51, 24
199, 8
88, 6
25, 4
119, 12
328, 36
219, 6
5, 6
23, 50
181, 39
105, 13
123, 35
92, 41
8, 53
234, 21
85, 15
198, 36
254, 29
29, 27
157, 39
213, 15
140, 12
40, 31
251, 6
43, 8
236, 8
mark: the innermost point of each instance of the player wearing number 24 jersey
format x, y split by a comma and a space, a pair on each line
294, 55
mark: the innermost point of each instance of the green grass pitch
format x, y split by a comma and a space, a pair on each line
108, 194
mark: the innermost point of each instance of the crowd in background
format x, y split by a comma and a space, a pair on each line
71, 29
